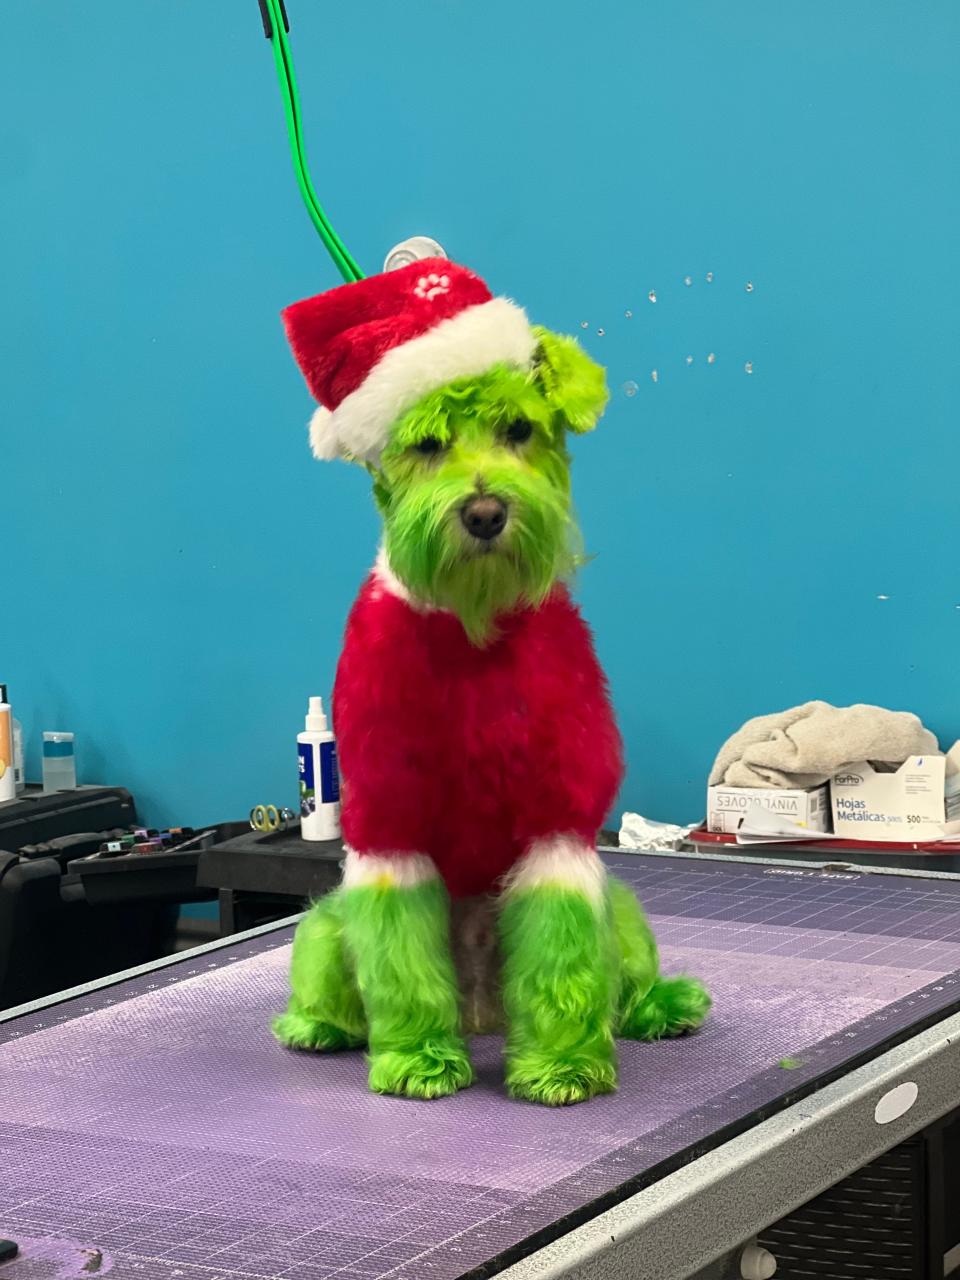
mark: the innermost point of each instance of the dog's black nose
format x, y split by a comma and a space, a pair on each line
484, 516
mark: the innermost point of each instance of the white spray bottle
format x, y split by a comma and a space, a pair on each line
319, 780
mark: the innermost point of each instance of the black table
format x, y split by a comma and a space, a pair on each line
260, 877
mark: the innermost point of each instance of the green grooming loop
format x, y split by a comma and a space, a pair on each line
276, 28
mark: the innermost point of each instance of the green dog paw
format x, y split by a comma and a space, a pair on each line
300, 1031
559, 1084
672, 1007
431, 1071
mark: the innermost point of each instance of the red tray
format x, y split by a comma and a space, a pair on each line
701, 836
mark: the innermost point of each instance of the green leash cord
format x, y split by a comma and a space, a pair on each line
276, 28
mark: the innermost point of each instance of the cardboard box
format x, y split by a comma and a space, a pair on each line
919, 802
727, 806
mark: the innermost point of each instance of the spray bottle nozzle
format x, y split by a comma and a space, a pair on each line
316, 717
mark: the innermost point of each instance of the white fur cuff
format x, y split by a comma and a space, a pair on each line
395, 871
562, 862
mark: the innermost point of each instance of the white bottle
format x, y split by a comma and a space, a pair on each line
8, 782
19, 777
319, 780
59, 762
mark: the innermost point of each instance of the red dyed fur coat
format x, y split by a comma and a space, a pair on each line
468, 754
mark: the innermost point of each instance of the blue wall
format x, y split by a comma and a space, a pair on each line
175, 568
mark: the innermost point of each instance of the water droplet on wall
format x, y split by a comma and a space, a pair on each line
630, 388
749, 286
584, 324
712, 358
601, 332
652, 295
883, 597
655, 376
689, 359
628, 314
748, 367
709, 277
688, 281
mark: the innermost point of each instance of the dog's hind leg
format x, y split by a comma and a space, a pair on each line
396, 918
325, 1011
559, 975
649, 1006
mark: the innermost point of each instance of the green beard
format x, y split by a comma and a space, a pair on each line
442, 565
479, 586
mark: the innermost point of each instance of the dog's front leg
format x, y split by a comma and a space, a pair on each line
559, 974
396, 923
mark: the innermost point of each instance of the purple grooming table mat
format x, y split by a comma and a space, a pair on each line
154, 1129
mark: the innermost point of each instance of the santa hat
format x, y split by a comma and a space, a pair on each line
371, 349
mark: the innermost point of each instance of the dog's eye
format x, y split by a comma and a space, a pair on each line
519, 432
428, 445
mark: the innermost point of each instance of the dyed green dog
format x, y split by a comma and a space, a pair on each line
478, 749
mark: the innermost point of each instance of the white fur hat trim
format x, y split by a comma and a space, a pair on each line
468, 344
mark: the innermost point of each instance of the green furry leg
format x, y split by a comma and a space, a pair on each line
400, 938
558, 994
649, 1006
325, 1012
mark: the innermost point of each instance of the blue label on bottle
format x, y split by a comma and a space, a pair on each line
52, 750
329, 775
308, 798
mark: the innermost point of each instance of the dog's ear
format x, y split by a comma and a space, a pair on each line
575, 387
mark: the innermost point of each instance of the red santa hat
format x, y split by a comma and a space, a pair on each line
371, 349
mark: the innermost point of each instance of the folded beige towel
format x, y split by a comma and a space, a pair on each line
807, 745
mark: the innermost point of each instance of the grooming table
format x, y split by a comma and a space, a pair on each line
151, 1127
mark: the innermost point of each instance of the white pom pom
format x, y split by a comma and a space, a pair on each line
323, 435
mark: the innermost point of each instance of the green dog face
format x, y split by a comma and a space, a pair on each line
474, 485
